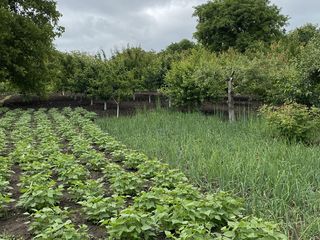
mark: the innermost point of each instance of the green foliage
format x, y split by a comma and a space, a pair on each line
194, 79
127, 183
151, 168
191, 232
294, 121
301, 36
213, 211
148, 201
73, 173
309, 66
251, 229
9, 237
169, 179
180, 46
27, 31
132, 224
92, 159
53, 223
238, 23
112, 170
81, 190
101, 208
38, 196
5, 200
131, 159
269, 75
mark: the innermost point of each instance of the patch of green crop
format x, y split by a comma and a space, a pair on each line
279, 181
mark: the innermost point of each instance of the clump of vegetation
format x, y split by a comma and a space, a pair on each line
294, 121
54, 223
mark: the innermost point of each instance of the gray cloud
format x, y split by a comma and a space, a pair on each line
153, 24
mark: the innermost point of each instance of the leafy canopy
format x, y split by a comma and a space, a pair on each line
27, 30
238, 23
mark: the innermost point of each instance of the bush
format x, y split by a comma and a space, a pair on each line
294, 121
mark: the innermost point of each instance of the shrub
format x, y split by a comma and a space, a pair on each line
293, 121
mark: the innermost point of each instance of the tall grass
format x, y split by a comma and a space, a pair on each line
279, 181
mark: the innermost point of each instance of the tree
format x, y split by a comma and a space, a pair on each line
297, 39
27, 30
309, 66
238, 23
303, 35
181, 46
193, 79
67, 71
102, 86
127, 70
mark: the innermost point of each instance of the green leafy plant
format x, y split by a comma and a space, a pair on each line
111, 170
149, 201
80, 190
73, 172
250, 228
102, 208
53, 223
294, 121
169, 179
213, 211
151, 168
5, 200
127, 184
93, 160
131, 159
132, 224
191, 232
37, 196
9, 237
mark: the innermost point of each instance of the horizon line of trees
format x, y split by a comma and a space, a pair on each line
245, 40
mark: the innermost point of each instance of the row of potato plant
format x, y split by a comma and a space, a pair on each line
6, 122
97, 203
164, 204
38, 156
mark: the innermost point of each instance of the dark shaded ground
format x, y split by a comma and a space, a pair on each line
126, 107
15, 220
243, 105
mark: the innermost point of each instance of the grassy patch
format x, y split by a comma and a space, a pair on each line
280, 181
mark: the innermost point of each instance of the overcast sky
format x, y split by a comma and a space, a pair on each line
91, 25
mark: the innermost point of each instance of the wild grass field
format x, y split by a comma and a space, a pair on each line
279, 180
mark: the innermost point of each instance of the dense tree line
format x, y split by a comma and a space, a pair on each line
244, 40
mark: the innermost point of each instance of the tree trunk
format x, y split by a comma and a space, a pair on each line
105, 106
231, 100
118, 109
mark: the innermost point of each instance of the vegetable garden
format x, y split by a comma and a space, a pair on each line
62, 177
